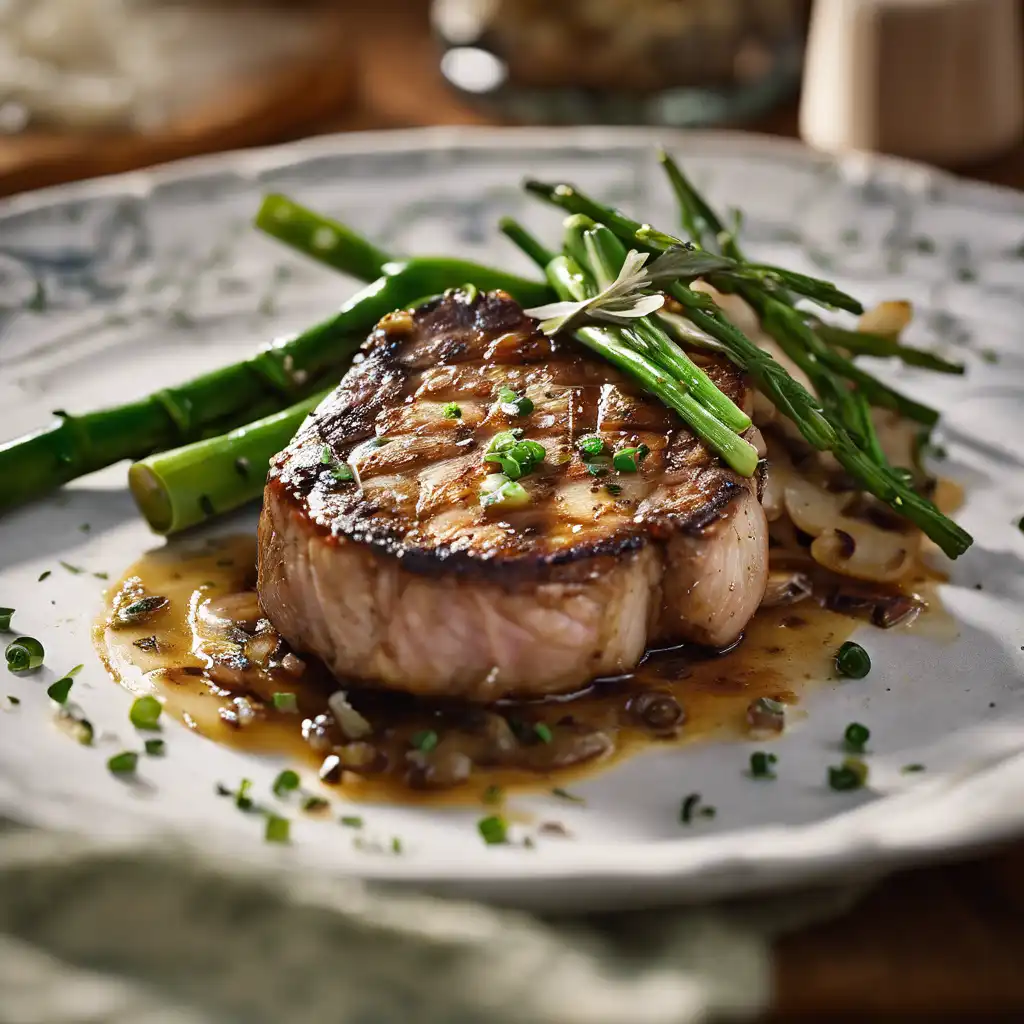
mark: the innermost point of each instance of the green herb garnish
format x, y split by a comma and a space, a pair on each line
851, 774
590, 446
124, 763
908, 769
499, 492
286, 702
24, 654
314, 803
513, 404
155, 747
5, 618
351, 821
451, 411
75, 570
691, 806
856, 736
852, 661
425, 740
493, 830
242, 799
278, 829
396, 845
613, 489
58, 691
564, 794
761, 765
627, 460
145, 712
45, 575
516, 456
287, 782
543, 732
14, 700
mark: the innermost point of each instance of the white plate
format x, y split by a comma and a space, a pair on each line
152, 277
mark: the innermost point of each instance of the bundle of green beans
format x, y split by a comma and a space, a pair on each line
205, 477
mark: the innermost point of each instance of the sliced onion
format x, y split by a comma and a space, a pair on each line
865, 552
352, 724
786, 588
241, 609
888, 318
260, 648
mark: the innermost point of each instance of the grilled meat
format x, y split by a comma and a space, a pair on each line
399, 578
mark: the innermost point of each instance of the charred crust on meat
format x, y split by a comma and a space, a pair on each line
439, 354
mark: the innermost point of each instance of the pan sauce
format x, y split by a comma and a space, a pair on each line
188, 655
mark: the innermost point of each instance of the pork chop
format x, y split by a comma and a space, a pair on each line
401, 578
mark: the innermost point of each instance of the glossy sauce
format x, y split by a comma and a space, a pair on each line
172, 652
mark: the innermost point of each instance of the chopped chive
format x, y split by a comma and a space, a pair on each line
451, 411
851, 774
691, 806
155, 747
14, 700
326, 455
5, 618
343, 473
242, 799
286, 702
314, 803
24, 654
856, 736
45, 575
907, 769
424, 740
124, 763
102, 575
493, 795
71, 673
493, 830
852, 661
613, 489
499, 492
278, 829
145, 712
352, 821
627, 460
513, 404
590, 446
75, 570
58, 691
564, 794
543, 732
286, 782
761, 765
396, 845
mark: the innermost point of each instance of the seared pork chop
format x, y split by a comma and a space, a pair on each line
400, 577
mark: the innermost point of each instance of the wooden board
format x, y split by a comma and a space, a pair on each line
269, 107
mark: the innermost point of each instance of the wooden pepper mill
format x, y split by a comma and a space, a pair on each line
935, 80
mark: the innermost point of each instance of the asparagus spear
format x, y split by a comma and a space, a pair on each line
793, 400
602, 257
182, 487
286, 371
625, 351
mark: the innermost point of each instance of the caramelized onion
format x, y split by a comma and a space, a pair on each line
352, 724
260, 649
786, 588
241, 609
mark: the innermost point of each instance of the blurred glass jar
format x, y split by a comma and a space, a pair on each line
675, 62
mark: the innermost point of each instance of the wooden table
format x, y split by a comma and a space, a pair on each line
937, 943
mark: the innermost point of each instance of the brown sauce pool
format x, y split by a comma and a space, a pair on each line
217, 666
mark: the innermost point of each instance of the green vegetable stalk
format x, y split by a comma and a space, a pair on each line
180, 488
